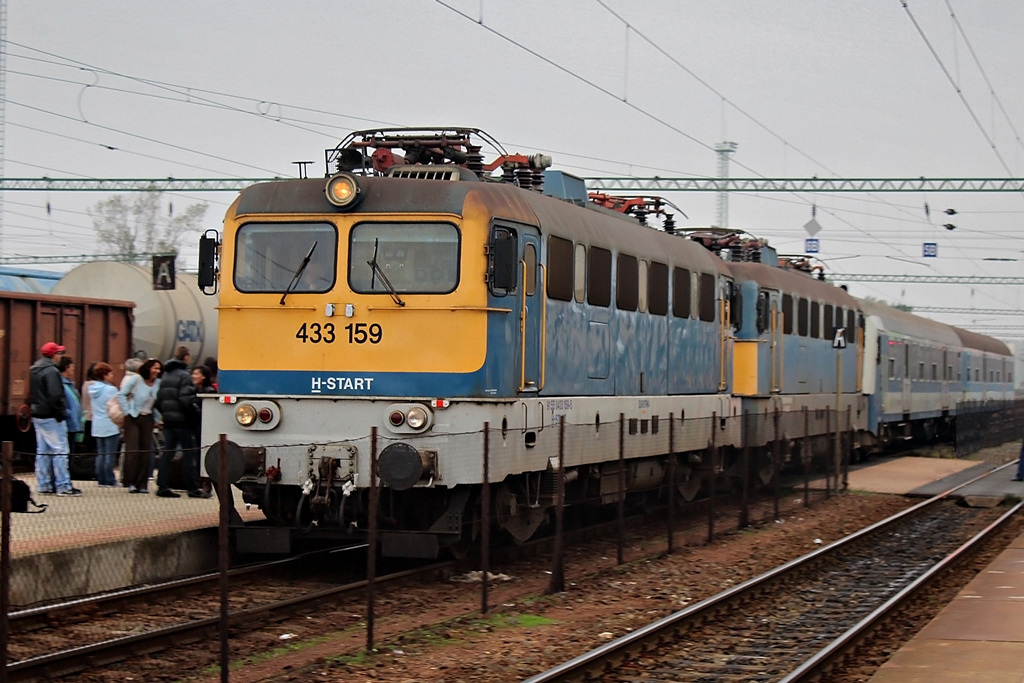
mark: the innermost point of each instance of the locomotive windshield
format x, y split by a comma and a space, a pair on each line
415, 258
268, 255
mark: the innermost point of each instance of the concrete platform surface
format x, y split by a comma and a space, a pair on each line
101, 515
977, 637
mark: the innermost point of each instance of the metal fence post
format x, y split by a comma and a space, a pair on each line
371, 550
224, 557
671, 482
622, 488
485, 521
558, 556
5, 555
713, 457
776, 465
744, 520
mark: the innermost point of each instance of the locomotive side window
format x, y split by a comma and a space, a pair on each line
657, 288
599, 277
641, 289
851, 326
787, 314
681, 287
626, 285
830, 330
815, 320
706, 303
530, 261
580, 274
801, 316
560, 269
269, 255
414, 258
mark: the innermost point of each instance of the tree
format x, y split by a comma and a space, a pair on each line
128, 228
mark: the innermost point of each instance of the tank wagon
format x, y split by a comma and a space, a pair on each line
412, 295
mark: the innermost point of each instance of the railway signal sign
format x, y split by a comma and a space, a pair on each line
930, 249
839, 341
811, 245
163, 272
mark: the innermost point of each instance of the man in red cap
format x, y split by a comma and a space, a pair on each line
48, 414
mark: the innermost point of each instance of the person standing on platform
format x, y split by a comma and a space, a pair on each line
87, 407
137, 397
104, 431
179, 407
1020, 464
49, 410
73, 402
201, 377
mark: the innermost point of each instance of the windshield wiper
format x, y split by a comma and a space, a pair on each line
377, 270
298, 273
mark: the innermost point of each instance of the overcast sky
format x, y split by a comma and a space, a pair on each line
206, 89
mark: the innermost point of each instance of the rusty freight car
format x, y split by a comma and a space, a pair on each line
91, 329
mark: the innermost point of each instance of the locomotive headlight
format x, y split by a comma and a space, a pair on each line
245, 414
342, 190
416, 418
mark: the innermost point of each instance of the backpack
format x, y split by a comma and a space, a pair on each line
21, 496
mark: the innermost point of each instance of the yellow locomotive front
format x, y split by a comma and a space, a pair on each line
361, 305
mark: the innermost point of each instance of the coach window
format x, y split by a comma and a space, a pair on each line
892, 368
626, 283
560, 266
268, 256
706, 303
599, 277
830, 321
787, 314
641, 290
920, 370
801, 316
681, 287
657, 288
401, 258
580, 273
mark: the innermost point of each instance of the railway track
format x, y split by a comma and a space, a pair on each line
797, 621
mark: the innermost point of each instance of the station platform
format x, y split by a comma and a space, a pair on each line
980, 635
977, 637
107, 539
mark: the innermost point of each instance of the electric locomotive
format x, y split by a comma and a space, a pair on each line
413, 296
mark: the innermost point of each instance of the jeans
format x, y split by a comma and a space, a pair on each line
106, 456
185, 438
52, 455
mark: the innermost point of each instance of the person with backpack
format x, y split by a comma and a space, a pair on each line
104, 431
49, 412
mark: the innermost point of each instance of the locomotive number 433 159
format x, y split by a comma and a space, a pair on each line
356, 333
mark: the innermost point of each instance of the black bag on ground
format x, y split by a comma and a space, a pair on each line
82, 466
21, 496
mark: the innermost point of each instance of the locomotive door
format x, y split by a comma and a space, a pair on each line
531, 312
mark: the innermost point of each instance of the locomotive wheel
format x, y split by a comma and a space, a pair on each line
689, 483
514, 516
765, 467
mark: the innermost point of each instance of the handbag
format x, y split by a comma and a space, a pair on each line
114, 411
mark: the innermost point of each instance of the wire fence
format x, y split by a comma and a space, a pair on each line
694, 477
